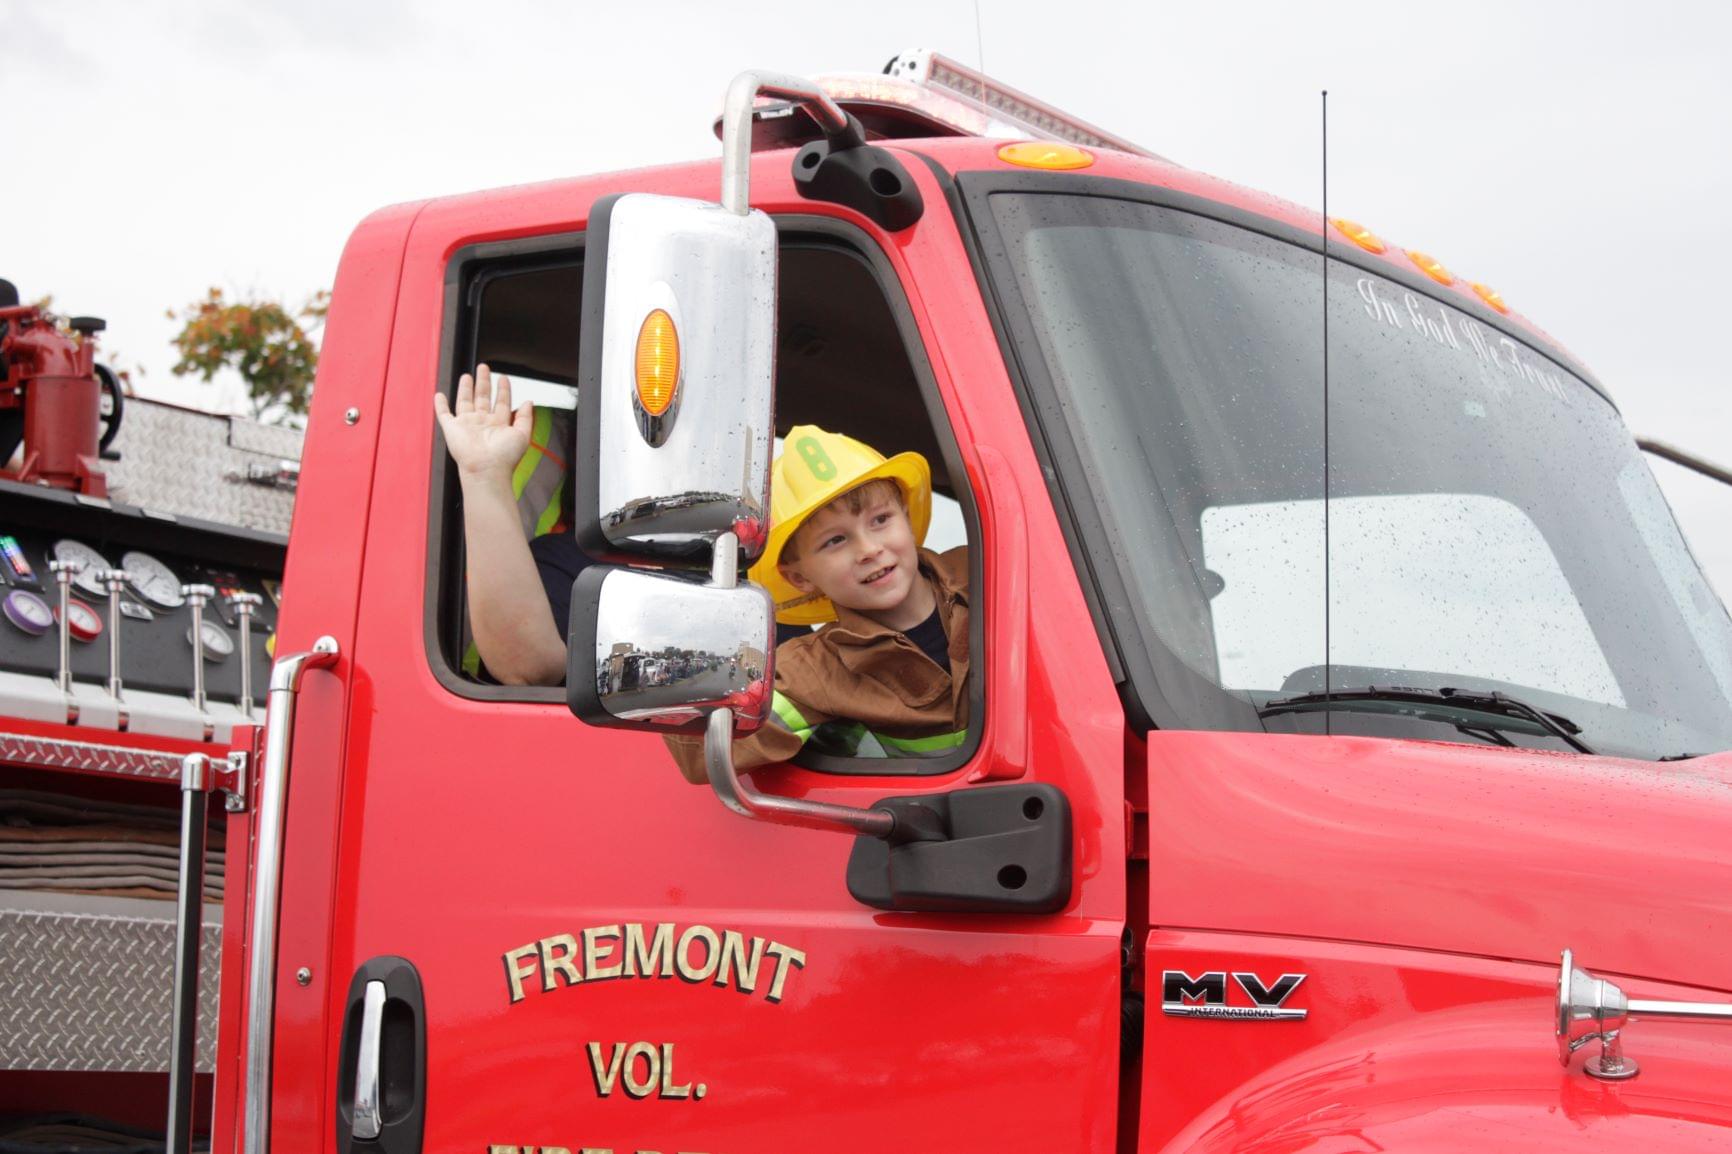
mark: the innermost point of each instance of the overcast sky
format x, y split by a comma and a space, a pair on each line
1576, 156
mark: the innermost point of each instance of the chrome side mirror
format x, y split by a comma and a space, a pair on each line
652, 651
676, 374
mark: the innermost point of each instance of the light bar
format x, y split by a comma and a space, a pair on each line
941, 98
1019, 112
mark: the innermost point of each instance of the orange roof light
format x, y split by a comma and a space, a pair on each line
1048, 154
1358, 234
1490, 296
1431, 267
658, 363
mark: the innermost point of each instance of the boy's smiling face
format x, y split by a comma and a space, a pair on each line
862, 555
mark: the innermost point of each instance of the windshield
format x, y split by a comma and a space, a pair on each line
1490, 524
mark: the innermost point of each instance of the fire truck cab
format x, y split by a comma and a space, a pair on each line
1346, 760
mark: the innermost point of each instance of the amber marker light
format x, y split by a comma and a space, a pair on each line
1358, 234
1490, 296
1431, 267
1047, 154
658, 363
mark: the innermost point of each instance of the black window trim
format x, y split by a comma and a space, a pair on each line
457, 336
1141, 683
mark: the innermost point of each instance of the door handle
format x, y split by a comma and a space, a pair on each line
367, 1063
382, 1067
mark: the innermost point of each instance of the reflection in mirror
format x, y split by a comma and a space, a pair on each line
666, 650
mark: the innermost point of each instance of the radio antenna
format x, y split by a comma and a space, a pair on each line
1328, 665
979, 42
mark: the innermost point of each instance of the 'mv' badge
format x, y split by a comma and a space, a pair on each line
1183, 996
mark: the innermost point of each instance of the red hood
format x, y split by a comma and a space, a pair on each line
1500, 853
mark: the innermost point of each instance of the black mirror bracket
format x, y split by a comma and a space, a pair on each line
843, 169
994, 849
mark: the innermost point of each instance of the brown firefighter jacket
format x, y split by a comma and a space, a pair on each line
865, 678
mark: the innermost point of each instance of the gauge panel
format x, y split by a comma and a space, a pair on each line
29, 612
154, 581
89, 578
154, 622
217, 642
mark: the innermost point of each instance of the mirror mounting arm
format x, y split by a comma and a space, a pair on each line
748, 802
738, 113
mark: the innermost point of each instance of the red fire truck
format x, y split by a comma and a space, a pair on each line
1347, 758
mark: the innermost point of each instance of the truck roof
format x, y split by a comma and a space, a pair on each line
956, 155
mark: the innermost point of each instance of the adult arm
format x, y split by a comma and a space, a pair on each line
508, 611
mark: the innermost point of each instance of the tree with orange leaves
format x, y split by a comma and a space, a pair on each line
270, 346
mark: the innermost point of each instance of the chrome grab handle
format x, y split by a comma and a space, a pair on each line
367, 1122
272, 808
719, 752
737, 115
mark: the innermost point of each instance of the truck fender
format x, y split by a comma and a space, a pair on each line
1479, 1077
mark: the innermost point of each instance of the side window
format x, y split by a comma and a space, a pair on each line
848, 360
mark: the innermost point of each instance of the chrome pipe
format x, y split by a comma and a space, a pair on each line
195, 787
244, 605
114, 579
740, 110
286, 677
1700, 1011
196, 596
64, 572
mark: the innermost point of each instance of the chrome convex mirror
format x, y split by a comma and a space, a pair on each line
676, 374
656, 651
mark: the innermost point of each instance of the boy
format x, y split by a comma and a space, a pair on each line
844, 547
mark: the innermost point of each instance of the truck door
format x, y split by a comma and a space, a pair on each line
592, 954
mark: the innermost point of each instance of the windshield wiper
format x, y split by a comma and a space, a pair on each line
1501, 704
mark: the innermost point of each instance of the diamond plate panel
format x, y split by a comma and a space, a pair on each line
180, 461
21, 749
93, 991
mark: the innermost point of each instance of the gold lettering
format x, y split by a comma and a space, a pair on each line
628, 1072
712, 954
514, 976
595, 948
555, 1150
786, 956
565, 963
496, 1148
605, 1078
641, 959
669, 1090
635, 950
734, 958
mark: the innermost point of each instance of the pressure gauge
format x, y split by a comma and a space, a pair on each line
82, 622
89, 578
29, 612
155, 582
217, 642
